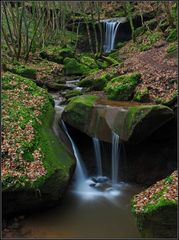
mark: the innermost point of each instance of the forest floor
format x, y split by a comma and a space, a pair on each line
158, 70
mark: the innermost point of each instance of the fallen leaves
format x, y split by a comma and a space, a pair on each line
21, 109
166, 188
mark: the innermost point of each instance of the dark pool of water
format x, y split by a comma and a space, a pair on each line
81, 217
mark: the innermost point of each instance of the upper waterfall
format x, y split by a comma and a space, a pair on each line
110, 28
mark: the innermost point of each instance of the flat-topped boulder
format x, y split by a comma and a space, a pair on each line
133, 122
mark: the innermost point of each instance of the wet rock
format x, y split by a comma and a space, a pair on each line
132, 122
102, 179
102, 186
92, 184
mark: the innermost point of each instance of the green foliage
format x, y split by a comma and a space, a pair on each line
148, 39
122, 87
142, 95
172, 47
172, 35
56, 54
22, 70
73, 67
102, 64
120, 13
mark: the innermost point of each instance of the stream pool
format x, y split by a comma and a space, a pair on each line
97, 216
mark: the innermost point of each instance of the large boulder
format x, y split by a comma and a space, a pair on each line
36, 166
155, 209
133, 122
73, 67
97, 80
122, 88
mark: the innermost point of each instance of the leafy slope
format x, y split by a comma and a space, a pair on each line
30, 151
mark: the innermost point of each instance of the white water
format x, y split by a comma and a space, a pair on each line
72, 84
111, 27
115, 158
97, 149
81, 173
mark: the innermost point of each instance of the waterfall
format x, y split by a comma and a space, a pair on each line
111, 27
80, 172
115, 157
97, 149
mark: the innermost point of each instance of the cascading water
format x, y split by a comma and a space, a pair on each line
80, 172
115, 158
111, 27
97, 149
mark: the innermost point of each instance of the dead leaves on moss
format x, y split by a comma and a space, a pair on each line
168, 190
16, 138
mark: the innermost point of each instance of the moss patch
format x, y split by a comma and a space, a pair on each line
56, 54
22, 70
122, 87
30, 142
73, 67
142, 95
78, 110
155, 209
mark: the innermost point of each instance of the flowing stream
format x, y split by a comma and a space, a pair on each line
87, 211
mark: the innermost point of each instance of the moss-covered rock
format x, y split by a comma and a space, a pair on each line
72, 93
37, 169
142, 95
56, 54
98, 79
78, 111
122, 87
133, 123
22, 70
89, 61
73, 67
168, 101
155, 209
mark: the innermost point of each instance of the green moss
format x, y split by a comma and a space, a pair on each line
78, 109
122, 87
111, 60
145, 47
167, 101
136, 114
142, 95
86, 83
22, 70
102, 64
158, 217
56, 54
73, 67
72, 93
89, 61
148, 39
98, 79
55, 158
